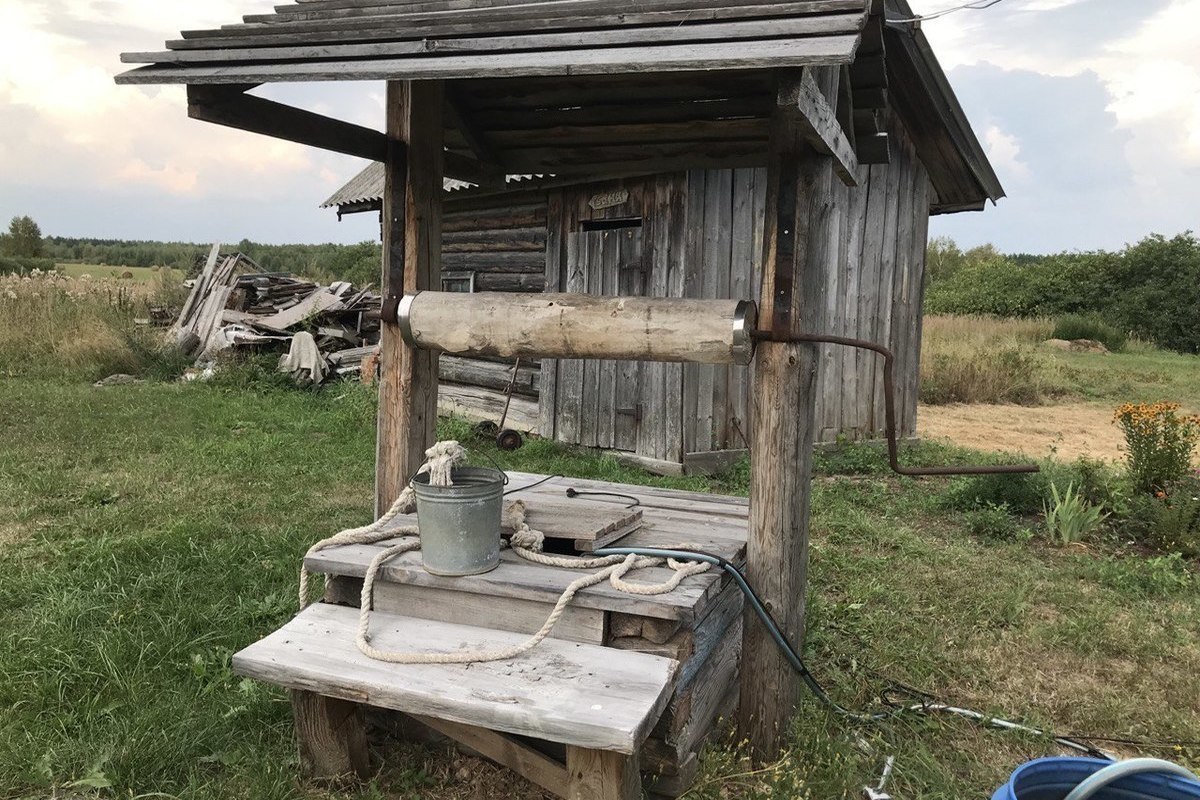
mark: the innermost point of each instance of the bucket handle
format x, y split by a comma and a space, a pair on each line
1121, 769
500, 469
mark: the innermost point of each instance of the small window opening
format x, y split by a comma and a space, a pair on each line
459, 282
610, 224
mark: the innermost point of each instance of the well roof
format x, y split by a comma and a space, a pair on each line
450, 39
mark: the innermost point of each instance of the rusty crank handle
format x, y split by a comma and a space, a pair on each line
889, 404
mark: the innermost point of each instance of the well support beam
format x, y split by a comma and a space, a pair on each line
332, 736
797, 236
412, 242
819, 122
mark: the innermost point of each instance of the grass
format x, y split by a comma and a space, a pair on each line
83, 328
136, 274
993, 360
151, 530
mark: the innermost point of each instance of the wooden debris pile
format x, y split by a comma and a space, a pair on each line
234, 304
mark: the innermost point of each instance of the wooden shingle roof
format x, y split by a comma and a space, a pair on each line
456, 39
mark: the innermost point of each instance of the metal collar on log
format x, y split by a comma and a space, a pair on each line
889, 406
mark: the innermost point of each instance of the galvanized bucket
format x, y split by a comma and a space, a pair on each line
460, 524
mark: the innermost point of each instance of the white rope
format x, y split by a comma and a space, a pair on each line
525, 542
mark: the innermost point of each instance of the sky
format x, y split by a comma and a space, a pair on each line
1088, 109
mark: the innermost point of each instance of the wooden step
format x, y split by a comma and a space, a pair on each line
578, 694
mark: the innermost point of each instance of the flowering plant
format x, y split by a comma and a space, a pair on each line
1160, 443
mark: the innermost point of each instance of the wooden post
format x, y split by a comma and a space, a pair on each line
602, 775
795, 272
332, 736
412, 244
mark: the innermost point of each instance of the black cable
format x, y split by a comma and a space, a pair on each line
532, 485
928, 704
634, 502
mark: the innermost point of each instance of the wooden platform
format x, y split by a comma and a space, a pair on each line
559, 691
698, 625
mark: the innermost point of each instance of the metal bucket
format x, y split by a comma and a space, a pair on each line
460, 524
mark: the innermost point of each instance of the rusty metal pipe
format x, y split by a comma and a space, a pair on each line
889, 406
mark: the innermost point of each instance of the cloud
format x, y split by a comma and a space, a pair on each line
1102, 100
1004, 151
70, 131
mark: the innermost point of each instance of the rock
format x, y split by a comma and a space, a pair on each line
120, 379
1077, 346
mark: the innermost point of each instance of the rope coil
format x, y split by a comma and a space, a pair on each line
525, 542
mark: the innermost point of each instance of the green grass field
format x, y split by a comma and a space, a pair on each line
149, 531
140, 274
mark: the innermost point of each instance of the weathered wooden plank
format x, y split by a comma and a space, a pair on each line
490, 375
800, 183
725, 31
821, 126
586, 696
628, 280
599, 775
315, 303
605, 61
408, 390
530, 764
464, 608
332, 736
478, 404
521, 579
511, 240
230, 106
469, 21
548, 397
458, 219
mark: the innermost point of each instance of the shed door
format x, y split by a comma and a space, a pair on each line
602, 399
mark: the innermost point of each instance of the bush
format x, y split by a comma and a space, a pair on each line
997, 522
1020, 494
1173, 519
1159, 443
15, 265
1090, 326
1151, 289
977, 374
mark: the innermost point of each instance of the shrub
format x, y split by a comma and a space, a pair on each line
1090, 326
1173, 519
992, 521
1069, 517
14, 265
1159, 443
1147, 577
978, 374
1020, 494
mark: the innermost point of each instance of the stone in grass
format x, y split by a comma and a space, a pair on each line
1077, 346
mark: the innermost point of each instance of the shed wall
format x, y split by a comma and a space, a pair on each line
700, 235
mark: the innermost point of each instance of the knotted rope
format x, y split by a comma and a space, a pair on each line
525, 542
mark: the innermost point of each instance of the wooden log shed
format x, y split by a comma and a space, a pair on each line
808, 93
613, 236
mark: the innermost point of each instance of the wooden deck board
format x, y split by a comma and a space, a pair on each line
577, 694
712, 522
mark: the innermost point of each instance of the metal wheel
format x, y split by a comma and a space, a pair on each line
508, 439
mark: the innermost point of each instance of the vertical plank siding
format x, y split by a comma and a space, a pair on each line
701, 236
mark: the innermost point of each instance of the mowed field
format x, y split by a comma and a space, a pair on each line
1068, 398
138, 274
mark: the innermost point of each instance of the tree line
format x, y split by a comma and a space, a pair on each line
1150, 289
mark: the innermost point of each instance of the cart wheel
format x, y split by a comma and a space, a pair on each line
486, 429
509, 440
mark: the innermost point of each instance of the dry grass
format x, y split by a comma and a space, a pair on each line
56, 324
987, 360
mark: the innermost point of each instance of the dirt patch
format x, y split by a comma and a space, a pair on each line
1065, 431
